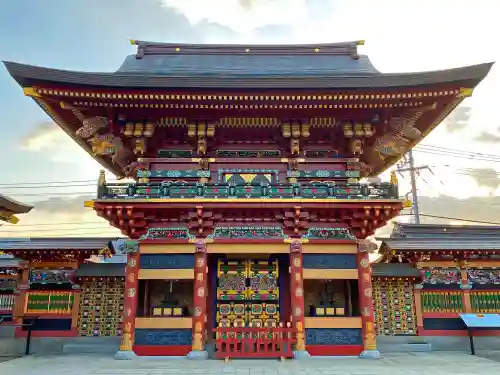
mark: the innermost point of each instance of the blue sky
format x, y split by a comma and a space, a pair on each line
93, 35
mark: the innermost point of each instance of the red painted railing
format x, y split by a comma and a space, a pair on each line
254, 342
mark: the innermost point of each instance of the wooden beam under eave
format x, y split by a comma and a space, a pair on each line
330, 248
166, 248
242, 248
166, 274
163, 323
330, 274
333, 322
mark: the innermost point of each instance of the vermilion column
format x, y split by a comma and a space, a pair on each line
20, 300
366, 304
297, 297
130, 306
200, 303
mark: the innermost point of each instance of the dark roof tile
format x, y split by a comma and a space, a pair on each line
394, 270
101, 270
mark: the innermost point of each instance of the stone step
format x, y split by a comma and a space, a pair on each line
405, 348
79, 348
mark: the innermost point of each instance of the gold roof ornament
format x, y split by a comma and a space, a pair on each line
394, 178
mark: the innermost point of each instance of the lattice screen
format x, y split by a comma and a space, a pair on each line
394, 307
101, 307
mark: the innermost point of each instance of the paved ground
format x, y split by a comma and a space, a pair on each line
437, 363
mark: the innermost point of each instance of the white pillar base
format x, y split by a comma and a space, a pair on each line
301, 354
125, 355
371, 354
197, 355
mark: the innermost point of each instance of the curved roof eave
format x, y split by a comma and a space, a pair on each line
14, 206
27, 75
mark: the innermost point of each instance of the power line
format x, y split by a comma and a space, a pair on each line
457, 219
52, 224
59, 230
47, 183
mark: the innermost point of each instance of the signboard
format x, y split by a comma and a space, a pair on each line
481, 320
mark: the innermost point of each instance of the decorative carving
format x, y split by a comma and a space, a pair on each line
248, 185
167, 233
248, 153
321, 173
296, 247
294, 146
167, 337
334, 336
441, 276
247, 232
329, 234
329, 261
129, 246
91, 126
483, 276
356, 146
200, 247
106, 144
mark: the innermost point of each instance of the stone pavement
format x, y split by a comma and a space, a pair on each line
436, 363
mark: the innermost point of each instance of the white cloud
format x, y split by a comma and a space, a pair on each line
241, 15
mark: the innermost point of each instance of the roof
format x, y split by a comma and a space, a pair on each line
27, 75
63, 243
9, 263
101, 270
394, 270
14, 206
167, 65
423, 237
431, 230
9, 207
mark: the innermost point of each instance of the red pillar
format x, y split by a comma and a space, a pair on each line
200, 303
20, 299
366, 304
297, 296
130, 306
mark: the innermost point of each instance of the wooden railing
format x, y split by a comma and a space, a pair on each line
254, 342
485, 302
6, 302
201, 190
49, 302
442, 302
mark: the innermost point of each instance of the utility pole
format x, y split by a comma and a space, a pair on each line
413, 181
410, 163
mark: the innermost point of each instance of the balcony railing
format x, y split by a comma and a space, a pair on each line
202, 190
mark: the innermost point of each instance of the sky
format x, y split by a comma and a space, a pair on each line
93, 35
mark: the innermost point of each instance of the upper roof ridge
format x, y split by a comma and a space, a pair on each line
159, 49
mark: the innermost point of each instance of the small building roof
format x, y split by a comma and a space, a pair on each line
9, 262
13, 206
10, 207
394, 270
429, 237
61, 243
101, 270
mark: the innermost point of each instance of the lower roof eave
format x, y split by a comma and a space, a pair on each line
27, 75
